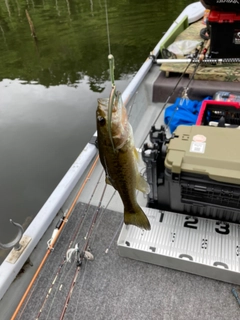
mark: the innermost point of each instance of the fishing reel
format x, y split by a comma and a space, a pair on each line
153, 154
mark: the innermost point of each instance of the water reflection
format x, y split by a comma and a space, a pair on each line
71, 38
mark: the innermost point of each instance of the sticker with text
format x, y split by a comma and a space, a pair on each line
198, 147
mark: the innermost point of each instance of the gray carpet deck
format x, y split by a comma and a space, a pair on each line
112, 287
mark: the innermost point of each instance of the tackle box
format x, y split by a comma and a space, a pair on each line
197, 172
214, 111
224, 34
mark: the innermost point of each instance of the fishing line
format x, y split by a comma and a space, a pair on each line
90, 231
114, 236
114, 94
50, 290
184, 94
169, 97
107, 25
60, 284
91, 197
179, 80
166, 102
26, 303
101, 216
131, 106
58, 289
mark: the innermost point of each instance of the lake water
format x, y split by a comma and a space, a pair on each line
49, 86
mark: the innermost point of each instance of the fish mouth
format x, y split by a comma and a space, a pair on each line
103, 104
102, 109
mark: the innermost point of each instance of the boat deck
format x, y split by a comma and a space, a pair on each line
113, 287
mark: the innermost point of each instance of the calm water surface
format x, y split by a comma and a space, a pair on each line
49, 86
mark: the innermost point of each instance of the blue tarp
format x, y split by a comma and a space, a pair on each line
183, 111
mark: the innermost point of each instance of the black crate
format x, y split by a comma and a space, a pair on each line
224, 34
232, 6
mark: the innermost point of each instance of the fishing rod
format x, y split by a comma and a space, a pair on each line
82, 256
196, 57
75, 235
169, 97
185, 90
199, 49
50, 249
197, 60
60, 267
184, 96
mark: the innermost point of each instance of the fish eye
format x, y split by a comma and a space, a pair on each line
101, 120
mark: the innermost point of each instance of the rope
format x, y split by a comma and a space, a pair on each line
70, 252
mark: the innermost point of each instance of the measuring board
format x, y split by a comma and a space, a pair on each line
205, 247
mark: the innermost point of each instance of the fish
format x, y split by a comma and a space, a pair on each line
120, 158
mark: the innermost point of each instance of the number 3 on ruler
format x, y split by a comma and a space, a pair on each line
223, 227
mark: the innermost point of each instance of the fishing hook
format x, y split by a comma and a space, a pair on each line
111, 68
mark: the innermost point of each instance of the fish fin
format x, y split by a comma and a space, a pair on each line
142, 184
137, 156
137, 218
107, 180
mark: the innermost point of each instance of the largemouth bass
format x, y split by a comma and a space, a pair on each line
119, 158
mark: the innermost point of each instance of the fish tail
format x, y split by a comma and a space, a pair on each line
137, 218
